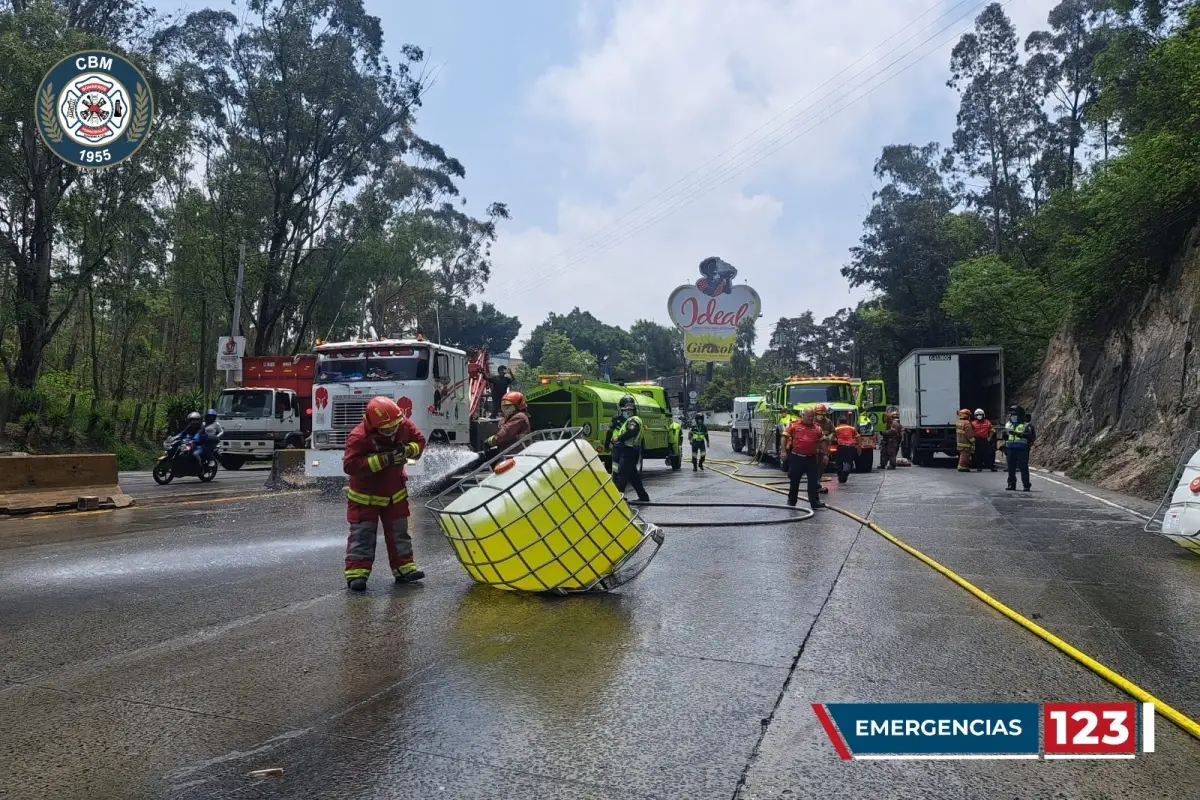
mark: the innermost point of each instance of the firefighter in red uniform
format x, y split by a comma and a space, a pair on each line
376, 452
846, 435
516, 421
803, 441
985, 445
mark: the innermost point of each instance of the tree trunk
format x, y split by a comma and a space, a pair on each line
94, 349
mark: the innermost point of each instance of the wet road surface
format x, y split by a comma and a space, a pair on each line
250, 479
169, 651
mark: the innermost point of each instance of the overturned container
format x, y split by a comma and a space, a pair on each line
544, 516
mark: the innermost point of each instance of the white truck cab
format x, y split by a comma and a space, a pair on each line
739, 430
428, 381
257, 422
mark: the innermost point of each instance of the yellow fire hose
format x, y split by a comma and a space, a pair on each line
1133, 690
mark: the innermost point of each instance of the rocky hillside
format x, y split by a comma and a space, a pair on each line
1115, 405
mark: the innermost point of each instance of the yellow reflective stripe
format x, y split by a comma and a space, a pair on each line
373, 462
367, 499
374, 499
351, 574
414, 449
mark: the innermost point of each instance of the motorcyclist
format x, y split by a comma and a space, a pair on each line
192, 427
516, 424
207, 438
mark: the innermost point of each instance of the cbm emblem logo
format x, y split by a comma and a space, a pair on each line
94, 109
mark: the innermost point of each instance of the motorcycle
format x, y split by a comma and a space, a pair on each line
177, 461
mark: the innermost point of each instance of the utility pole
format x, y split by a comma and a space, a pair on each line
232, 376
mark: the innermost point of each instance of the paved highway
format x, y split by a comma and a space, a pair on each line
170, 651
249, 479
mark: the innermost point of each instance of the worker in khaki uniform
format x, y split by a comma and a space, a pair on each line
376, 452
822, 420
889, 440
965, 436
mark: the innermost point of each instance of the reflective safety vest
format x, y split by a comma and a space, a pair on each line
636, 441
1014, 435
699, 434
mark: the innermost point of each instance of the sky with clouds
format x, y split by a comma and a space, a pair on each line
633, 138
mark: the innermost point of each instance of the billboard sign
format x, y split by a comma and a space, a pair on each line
230, 350
710, 310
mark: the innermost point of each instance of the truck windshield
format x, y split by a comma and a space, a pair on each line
802, 393
244, 404
398, 364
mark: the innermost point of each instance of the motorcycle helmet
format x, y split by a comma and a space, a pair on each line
193, 418
210, 416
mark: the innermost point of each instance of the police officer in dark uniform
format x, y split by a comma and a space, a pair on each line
627, 453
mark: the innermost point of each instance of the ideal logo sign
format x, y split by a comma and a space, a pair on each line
710, 311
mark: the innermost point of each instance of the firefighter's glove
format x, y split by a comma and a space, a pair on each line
491, 441
410, 451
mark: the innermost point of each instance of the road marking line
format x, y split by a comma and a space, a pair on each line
1138, 693
1039, 474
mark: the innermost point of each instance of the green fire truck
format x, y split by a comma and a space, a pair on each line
840, 394
568, 400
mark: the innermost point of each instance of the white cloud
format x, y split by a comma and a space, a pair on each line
668, 85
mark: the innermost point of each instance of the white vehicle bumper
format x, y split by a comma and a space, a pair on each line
260, 448
328, 464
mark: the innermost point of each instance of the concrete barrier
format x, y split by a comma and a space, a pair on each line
82, 482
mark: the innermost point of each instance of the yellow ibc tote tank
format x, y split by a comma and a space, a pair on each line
544, 516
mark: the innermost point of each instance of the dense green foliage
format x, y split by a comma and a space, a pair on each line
281, 127
1072, 182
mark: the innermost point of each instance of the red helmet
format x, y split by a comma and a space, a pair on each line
383, 415
516, 399
820, 408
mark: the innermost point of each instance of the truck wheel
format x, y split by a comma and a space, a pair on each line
232, 462
676, 461
738, 444
293, 443
864, 461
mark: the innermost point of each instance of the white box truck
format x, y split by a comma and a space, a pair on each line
934, 383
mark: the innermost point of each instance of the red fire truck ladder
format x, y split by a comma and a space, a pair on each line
477, 375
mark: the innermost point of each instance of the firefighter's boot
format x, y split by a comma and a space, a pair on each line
701, 462
407, 573
694, 465
357, 584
